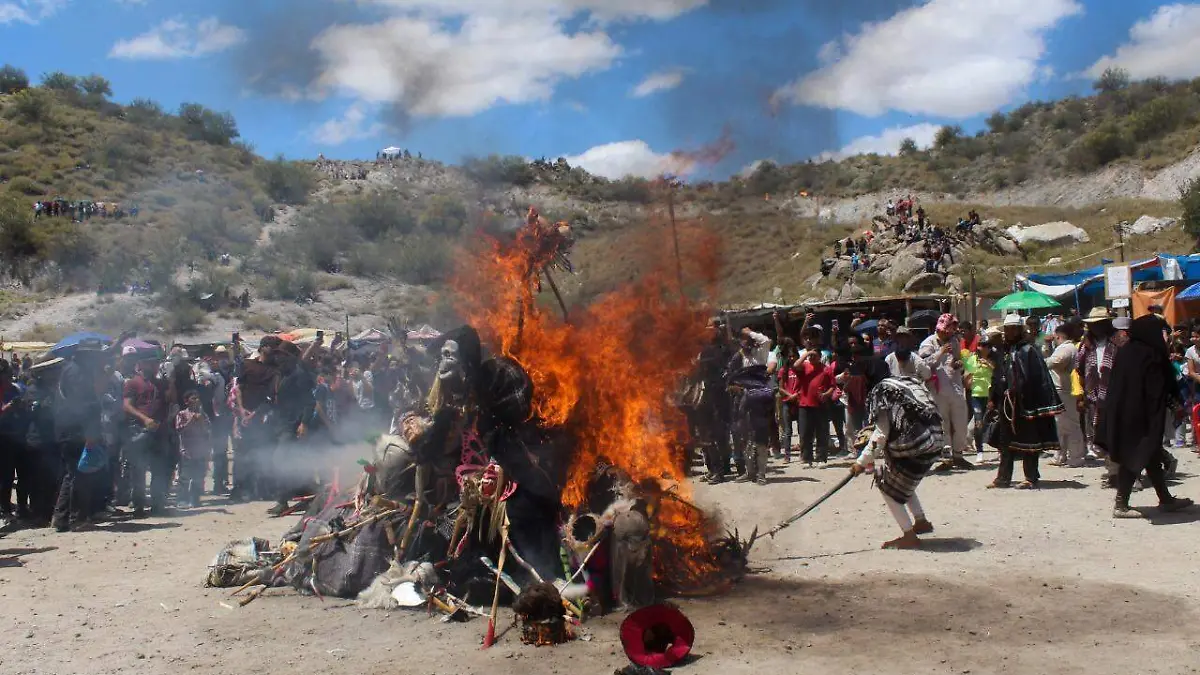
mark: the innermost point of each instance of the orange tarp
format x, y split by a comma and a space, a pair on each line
1142, 300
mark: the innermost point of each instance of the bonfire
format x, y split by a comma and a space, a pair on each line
547, 465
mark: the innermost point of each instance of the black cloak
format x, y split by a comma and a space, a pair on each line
1140, 389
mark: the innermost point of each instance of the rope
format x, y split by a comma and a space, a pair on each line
1068, 262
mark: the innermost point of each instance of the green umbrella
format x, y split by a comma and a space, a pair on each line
1024, 300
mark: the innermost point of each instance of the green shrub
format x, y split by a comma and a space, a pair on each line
443, 215
1157, 118
286, 182
496, 170
1112, 80
26, 186
1189, 204
1098, 148
12, 80
32, 106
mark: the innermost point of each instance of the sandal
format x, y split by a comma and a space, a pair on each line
1025, 485
999, 484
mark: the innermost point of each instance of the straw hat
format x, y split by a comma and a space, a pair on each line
1097, 315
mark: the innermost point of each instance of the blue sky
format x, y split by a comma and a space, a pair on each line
615, 85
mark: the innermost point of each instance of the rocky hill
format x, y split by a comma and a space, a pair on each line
315, 242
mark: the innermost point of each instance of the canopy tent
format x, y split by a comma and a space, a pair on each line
1191, 293
1024, 301
391, 151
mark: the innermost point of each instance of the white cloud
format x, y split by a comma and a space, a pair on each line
953, 58
434, 70
352, 125
887, 142
637, 158
663, 80
599, 10
1167, 44
454, 58
29, 11
623, 158
176, 39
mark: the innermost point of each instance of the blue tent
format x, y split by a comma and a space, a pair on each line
1190, 293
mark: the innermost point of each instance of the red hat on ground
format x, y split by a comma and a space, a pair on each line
658, 636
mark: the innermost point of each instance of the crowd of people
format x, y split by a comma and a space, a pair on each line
80, 211
908, 222
82, 433
1030, 388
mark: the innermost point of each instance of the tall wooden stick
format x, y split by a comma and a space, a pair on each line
490, 638
554, 287
675, 236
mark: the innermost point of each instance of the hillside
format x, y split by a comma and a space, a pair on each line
315, 242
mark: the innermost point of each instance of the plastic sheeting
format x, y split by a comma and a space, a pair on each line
1142, 301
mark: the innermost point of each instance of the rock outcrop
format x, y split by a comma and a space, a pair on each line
1061, 233
1150, 225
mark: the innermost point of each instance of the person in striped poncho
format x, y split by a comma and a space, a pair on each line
904, 430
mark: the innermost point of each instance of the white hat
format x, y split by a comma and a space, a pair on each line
221, 349
1013, 320
1122, 323
128, 349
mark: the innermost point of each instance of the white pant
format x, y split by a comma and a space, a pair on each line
952, 406
1072, 446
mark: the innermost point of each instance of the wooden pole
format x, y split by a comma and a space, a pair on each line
974, 299
675, 236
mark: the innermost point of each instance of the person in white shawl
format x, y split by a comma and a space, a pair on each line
904, 436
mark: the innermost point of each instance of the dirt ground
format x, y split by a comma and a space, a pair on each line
1038, 582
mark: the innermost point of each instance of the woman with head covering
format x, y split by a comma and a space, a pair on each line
1130, 425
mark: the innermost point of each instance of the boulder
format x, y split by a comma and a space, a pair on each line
831, 294
904, 266
925, 282
1060, 233
842, 269
851, 292
1054, 261
954, 284
1150, 225
814, 279
880, 262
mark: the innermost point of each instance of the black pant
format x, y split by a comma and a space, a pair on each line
813, 426
837, 414
222, 428
74, 492
1154, 471
8, 470
1029, 464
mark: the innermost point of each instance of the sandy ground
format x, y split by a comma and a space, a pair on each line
1038, 582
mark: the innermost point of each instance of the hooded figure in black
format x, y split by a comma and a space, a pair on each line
1130, 426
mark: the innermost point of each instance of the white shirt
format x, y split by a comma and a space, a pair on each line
949, 378
1193, 360
1061, 363
759, 353
914, 367
1101, 347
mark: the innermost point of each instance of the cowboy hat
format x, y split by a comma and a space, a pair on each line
658, 636
1097, 315
1013, 320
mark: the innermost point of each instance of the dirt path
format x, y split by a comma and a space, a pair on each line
1039, 582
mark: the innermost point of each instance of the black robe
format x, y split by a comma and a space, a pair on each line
1140, 389
1027, 400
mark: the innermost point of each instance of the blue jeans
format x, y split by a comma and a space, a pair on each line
978, 412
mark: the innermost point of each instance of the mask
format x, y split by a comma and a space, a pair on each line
450, 366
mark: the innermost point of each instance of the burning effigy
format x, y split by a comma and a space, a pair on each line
546, 469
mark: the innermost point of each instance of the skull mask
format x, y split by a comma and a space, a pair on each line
450, 369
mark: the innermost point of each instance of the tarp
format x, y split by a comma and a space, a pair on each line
1090, 281
1190, 293
1142, 300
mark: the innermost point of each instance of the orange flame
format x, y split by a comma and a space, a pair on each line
608, 374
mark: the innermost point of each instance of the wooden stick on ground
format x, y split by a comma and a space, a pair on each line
316, 541
586, 559
252, 597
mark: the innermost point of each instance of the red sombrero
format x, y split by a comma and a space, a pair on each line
658, 636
